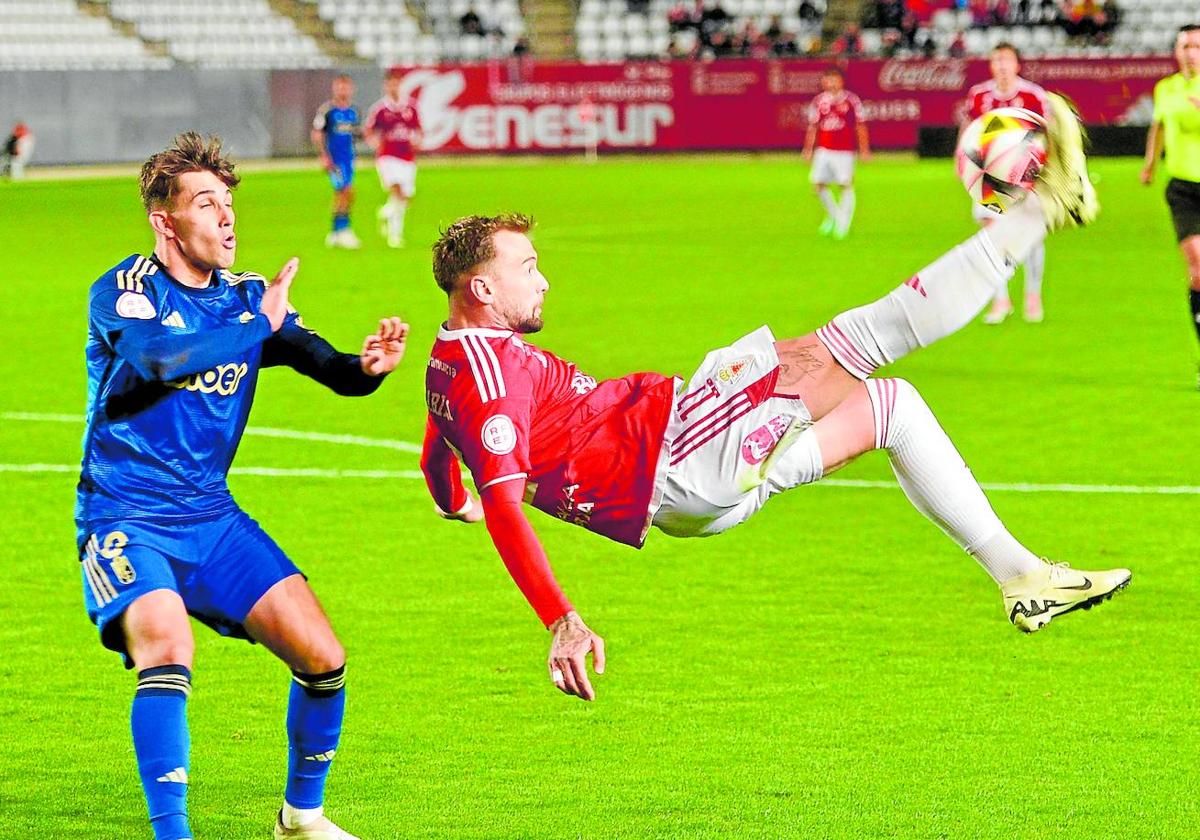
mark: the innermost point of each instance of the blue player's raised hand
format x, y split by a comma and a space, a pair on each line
383, 350
275, 299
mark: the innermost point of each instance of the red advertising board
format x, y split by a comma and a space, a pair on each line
741, 104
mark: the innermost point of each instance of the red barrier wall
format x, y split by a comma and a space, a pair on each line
740, 104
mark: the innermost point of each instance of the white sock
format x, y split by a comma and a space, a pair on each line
395, 217
299, 817
1020, 230
935, 302
1035, 267
831, 206
846, 208
937, 481
1001, 298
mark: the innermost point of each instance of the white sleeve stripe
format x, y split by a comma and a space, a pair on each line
490, 355
502, 479
482, 382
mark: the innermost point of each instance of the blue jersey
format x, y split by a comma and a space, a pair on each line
172, 372
339, 125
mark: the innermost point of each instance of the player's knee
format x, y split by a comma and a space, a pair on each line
323, 657
165, 650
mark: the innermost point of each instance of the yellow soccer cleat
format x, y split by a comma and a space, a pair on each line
1064, 186
1033, 599
319, 829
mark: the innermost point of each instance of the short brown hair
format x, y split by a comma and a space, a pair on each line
190, 153
1005, 45
468, 243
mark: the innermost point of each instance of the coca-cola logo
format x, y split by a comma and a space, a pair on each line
923, 75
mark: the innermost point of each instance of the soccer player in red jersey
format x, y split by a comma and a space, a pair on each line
836, 127
757, 418
1006, 89
393, 129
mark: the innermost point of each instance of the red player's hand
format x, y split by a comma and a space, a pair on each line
471, 512
568, 656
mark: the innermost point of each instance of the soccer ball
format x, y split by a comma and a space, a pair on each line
1000, 155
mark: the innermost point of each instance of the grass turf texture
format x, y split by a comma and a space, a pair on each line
835, 667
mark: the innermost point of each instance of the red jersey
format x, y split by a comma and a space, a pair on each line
985, 97
394, 123
586, 451
837, 117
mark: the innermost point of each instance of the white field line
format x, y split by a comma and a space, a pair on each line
257, 431
404, 446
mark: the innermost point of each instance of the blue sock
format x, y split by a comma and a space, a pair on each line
316, 706
341, 221
160, 739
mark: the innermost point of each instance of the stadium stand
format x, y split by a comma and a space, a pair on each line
222, 33
1039, 28
447, 30
57, 35
611, 30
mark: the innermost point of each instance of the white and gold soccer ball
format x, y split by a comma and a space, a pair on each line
1000, 155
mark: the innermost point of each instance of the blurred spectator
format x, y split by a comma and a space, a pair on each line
1111, 18
808, 11
849, 43
1081, 19
958, 47
782, 42
1002, 13
887, 14
679, 17
637, 7
981, 14
713, 19
928, 45
908, 31
521, 47
18, 148
720, 45
889, 45
470, 23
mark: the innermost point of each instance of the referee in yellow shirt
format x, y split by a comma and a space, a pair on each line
1176, 126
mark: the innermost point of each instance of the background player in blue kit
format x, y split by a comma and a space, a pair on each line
175, 344
333, 132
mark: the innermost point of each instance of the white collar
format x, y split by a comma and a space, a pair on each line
445, 334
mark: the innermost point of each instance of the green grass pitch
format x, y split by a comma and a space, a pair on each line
833, 668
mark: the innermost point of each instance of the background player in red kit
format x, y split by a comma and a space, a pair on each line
393, 128
1006, 89
758, 417
836, 127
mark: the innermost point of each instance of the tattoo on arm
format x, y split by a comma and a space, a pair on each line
802, 363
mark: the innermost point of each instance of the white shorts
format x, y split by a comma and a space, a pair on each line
832, 167
394, 172
728, 428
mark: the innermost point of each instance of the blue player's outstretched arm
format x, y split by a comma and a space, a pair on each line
156, 353
306, 352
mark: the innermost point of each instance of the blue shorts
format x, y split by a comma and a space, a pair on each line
220, 567
341, 174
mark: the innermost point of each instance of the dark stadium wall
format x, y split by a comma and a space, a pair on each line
123, 116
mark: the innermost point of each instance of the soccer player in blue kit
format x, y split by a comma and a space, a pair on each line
333, 131
175, 344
